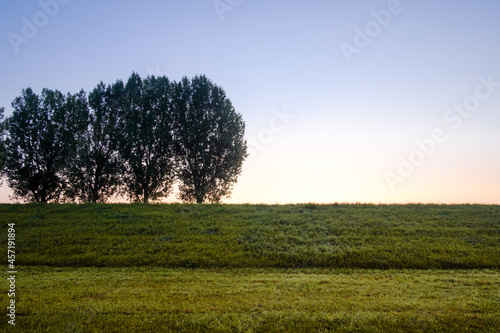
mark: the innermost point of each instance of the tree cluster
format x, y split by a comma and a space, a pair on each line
133, 139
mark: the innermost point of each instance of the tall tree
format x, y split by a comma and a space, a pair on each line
40, 141
146, 144
3, 125
94, 173
210, 147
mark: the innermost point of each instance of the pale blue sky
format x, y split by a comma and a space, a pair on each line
351, 121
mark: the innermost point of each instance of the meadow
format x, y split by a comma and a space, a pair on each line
255, 268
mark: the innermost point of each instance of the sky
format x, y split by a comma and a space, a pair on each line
344, 101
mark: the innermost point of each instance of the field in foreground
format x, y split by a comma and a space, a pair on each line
255, 268
157, 299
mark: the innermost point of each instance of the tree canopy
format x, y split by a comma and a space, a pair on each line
94, 173
40, 141
2, 148
147, 143
134, 139
209, 142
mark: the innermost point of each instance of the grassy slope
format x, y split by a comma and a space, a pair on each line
144, 283
290, 236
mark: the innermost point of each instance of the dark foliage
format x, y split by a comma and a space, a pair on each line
210, 148
94, 175
146, 141
2, 139
42, 134
134, 139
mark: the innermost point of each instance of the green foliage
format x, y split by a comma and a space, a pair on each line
210, 147
3, 124
41, 139
146, 141
93, 175
291, 236
138, 139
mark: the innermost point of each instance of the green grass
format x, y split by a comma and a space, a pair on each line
144, 299
238, 236
254, 268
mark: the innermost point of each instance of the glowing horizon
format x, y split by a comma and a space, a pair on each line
343, 102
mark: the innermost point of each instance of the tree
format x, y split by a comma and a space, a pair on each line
74, 129
146, 142
94, 173
40, 141
209, 143
2, 148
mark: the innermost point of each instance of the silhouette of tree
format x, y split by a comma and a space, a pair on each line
41, 139
209, 143
94, 175
146, 141
3, 125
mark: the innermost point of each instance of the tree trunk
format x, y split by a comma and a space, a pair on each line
199, 196
95, 195
43, 196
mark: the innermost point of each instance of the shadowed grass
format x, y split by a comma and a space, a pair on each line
177, 235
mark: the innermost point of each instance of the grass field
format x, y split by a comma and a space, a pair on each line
255, 268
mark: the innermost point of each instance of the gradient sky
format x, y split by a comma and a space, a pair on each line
322, 126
